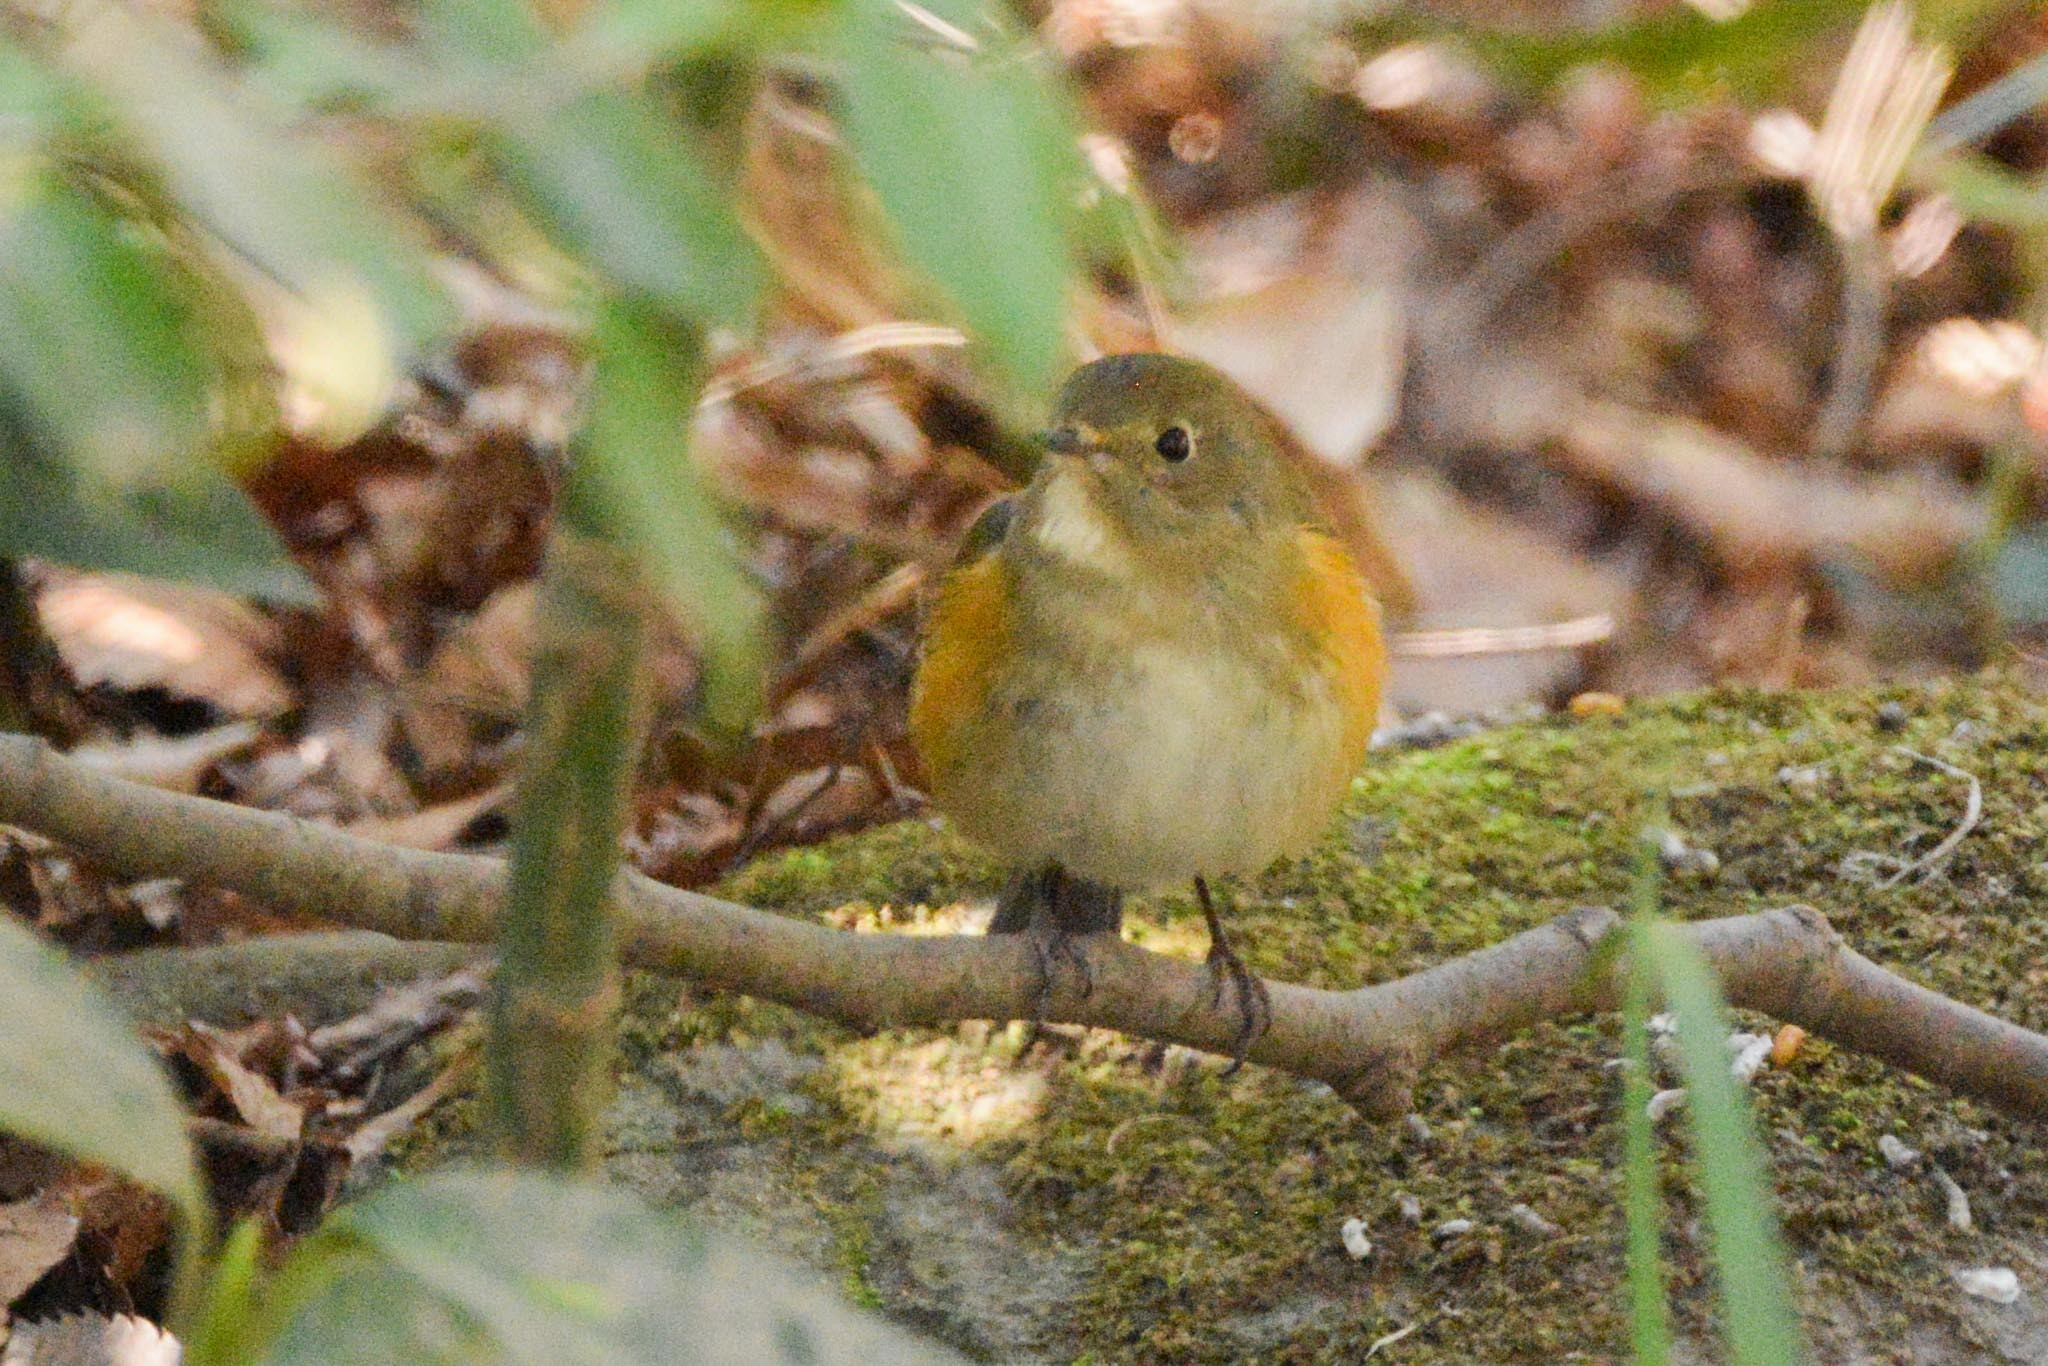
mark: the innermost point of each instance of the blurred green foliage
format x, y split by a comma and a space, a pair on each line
178, 210
1759, 1325
162, 199
73, 1076
462, 1266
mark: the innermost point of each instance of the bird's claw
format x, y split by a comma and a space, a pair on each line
1254, 1002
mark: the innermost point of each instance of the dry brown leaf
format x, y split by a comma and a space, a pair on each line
174, 764
482, 666
290, 1182
34, 1236
1755, 510
45, 884
91, 1339
1477, 568
130, 633
251, 1095
434, 827
122, 1226
1305, 305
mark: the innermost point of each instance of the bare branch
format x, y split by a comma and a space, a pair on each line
1367, 1043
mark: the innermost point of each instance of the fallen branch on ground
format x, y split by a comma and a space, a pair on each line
1369, 1043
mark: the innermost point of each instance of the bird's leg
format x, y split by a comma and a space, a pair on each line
1254, 1004
1053, 909
1019, 903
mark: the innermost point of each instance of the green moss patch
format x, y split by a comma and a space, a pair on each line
1112, 1200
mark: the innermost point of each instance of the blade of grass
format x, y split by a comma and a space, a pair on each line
1649, 1319
1749, 1255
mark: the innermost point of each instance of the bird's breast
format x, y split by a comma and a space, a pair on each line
1141, 741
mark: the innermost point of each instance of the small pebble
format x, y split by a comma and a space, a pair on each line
1891, 718
1682, 859
1452, 1228
1896, 1154
1529, 1221
1995, 1283
1419, 1130
1664, 1102
1803, 780
1411, 1208
1355, 1241
1426, 732
1958, 1202
1751, 1052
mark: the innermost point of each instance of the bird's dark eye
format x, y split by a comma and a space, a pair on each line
1174, 444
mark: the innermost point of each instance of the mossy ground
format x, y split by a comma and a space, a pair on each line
1171, 1214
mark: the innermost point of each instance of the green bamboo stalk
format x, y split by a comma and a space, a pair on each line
557, 986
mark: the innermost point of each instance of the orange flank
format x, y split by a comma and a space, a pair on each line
1338, 613
968, 638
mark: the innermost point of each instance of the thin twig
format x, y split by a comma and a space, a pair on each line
1471, 641
1368, 1044
372, 1138
1859, 346
1973, 811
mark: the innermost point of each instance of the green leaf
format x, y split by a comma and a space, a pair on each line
200, 527
616, 181
225, 1324
636, 486
359, 1307
74, 1077
1749, 1255
973, 159
508, 1266
308, 62
1676, 51
640, 32
621, 188
296, 211
98, 345
31, 99
1987, 192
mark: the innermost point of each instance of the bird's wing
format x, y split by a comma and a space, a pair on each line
987, 533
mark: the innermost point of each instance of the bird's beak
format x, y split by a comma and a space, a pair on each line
1077, 441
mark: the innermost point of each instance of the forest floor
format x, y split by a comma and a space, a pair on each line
1085, 1196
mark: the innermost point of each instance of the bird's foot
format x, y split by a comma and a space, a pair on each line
1228, 973
1254, 1002
1054, 912
1051, 946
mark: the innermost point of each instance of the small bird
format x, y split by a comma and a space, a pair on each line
1147, 666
